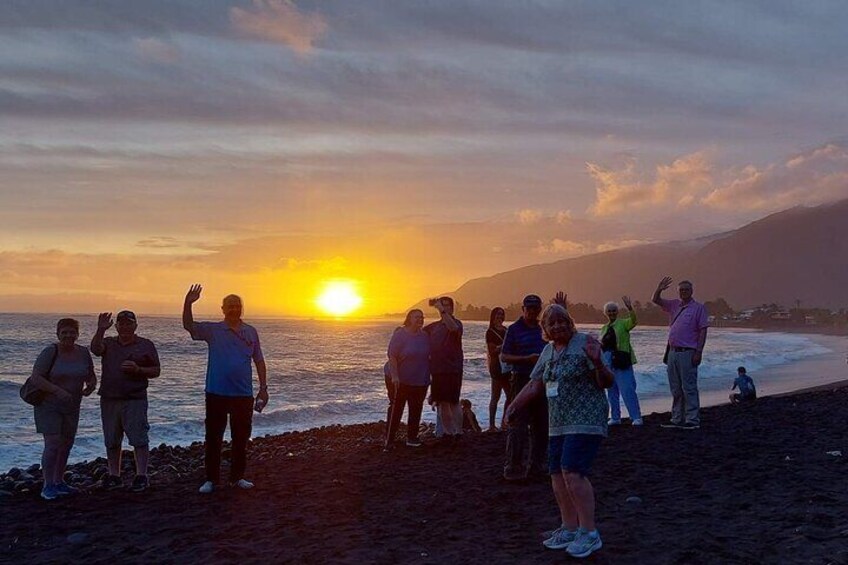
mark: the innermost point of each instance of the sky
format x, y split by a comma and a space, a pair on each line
270, 147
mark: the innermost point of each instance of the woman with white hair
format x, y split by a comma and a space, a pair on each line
619, 357
571, 373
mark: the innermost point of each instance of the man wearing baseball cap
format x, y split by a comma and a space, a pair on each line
129, 361
521, 348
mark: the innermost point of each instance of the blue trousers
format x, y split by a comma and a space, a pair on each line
624, 386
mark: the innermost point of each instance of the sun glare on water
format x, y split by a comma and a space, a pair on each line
339, 298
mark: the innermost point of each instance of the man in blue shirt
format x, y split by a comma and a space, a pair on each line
229, 385
521, 348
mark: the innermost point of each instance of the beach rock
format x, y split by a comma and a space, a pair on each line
633, 500
33, 469
14, 472
78, 538
99, 473
4, 493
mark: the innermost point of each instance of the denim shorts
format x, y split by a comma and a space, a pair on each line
572, 453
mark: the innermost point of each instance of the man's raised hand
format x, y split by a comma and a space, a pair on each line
664, 284
104, 321
193, 294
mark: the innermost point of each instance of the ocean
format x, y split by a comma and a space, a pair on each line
320, 373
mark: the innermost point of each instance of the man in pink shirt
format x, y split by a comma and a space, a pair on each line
687, 334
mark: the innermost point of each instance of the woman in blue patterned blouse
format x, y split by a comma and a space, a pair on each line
572, 375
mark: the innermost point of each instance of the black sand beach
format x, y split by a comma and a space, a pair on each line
753, 485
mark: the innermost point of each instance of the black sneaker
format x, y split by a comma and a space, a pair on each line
690, 426
140, 483
671, 425
112, 482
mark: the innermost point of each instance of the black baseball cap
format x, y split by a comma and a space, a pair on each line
532, 300
126, 315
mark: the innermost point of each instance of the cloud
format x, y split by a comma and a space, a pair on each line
679, 184
160, 242
813, 177
564, 216
528, 217
563, 247
279, 21
156, 50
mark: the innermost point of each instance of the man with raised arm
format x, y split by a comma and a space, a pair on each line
128, 362
687, 335
229, 385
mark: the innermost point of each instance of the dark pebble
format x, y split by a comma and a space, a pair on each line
78, 538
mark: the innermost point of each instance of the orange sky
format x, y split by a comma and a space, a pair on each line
265, 147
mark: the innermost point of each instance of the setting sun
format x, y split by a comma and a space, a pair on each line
339, 298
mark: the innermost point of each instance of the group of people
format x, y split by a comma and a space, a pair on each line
64, 373
422, 357
562, 389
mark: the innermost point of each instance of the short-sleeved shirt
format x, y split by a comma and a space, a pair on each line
68, 373
687, 326
745, 384
229, 371
522, 339
580, 406
446, 355
114, 383
412, 352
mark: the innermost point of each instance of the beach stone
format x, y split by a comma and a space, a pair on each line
633, 500
33, 469
78, 538
14, 472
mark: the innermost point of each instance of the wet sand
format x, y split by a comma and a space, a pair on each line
753, 485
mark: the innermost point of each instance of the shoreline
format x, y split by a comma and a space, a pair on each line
821, 371
758, 483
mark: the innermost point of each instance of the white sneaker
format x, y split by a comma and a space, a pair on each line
206, 488
612, 422
637, 422
242, 484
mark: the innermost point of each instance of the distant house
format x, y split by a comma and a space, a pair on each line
810, 320
780, 315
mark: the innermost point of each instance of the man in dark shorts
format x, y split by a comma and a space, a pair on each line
128, 362
522, 345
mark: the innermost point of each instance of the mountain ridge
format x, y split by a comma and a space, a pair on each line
797, 254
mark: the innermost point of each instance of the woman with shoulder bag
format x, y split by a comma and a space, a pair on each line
65, 373
619, 357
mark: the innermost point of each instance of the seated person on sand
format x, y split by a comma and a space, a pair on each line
469, 419
745, 384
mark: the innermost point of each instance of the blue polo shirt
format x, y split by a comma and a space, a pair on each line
522, 339
229, 371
